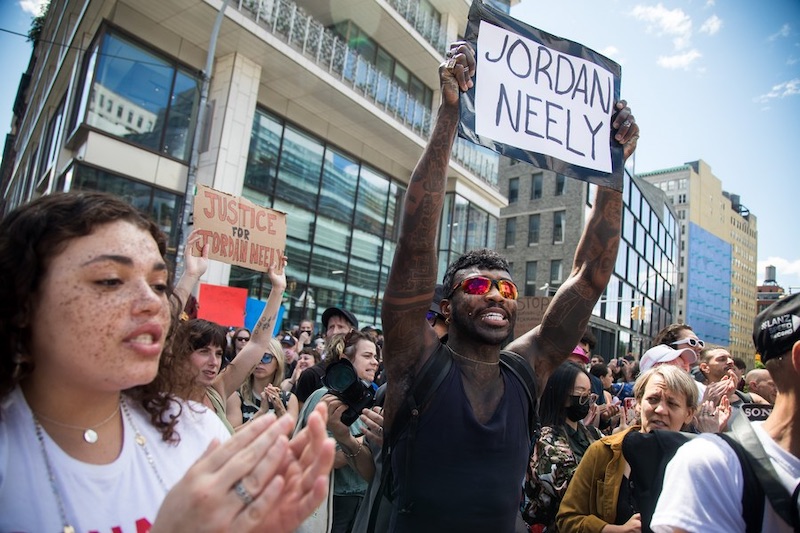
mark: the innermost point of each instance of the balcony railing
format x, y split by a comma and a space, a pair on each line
289, 22
428, 27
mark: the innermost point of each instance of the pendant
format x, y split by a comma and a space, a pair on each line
90, 436
69, 529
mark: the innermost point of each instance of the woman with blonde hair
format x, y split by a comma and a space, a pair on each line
261, 392
599, 496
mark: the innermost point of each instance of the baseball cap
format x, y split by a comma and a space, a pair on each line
288, 340
664, 354
580, 352
777, 328
331, 311
438, 296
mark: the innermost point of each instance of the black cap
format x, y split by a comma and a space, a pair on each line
438, 296
777, 328
288, 340
331, 311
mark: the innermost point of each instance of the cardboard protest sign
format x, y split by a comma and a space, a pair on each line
221, 304
530, 310
541, 99
239, 232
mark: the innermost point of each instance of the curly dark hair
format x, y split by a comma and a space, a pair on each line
485, 259
30, 236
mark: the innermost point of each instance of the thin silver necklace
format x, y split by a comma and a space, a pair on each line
477, 361
140, 440
89, 434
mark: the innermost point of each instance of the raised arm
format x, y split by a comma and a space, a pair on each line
408, 338
194, 268
567, 316
232, 377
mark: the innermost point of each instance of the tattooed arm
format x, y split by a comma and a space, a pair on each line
547, 345
408, 338
232, 377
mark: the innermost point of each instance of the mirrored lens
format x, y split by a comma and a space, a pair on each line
267, 358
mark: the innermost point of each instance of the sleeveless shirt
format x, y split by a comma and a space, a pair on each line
465, 476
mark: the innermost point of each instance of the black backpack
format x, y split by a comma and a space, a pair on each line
427, 383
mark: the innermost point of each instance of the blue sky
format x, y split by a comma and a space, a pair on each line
712, 80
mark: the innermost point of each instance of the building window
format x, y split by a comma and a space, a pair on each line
513, 190
511, 232
536, 186
561, 184
143, 83
555, 272
533, 229
161, 205
530, 278
559, 218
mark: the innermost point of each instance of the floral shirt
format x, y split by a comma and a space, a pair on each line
551, 468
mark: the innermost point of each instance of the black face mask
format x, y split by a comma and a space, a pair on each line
577, 412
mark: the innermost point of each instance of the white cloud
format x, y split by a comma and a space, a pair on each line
34, 7
786, 268
782, 90
781, 33
792, 61
710, 3
672, 22
712, 25
680, 60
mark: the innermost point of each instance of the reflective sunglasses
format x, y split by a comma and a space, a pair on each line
243, 339
267, 358
583, 400
431, 317
691, 342
480, 285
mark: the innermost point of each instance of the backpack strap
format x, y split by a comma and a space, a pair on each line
521, 368
755, 457
427, 381
752, 493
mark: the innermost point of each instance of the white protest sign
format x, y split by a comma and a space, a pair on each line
541, 100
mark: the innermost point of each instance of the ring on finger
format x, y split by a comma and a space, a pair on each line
451, 62
242, 493
626, 124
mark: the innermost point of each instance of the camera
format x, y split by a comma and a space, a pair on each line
342, 381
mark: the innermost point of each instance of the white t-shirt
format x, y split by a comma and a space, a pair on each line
703, 487
121, 496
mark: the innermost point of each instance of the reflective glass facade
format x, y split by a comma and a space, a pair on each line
139, 96
341, 219
708, 285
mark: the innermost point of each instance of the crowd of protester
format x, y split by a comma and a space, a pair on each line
116, 414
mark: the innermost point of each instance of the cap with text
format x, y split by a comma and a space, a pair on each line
777, 328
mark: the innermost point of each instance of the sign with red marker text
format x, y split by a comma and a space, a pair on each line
238, 231
541, 99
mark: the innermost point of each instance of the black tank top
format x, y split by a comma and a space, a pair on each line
466, 476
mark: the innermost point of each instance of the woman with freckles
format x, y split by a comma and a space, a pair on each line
92, 435
599, 497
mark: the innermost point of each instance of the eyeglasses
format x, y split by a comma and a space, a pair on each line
583, 400
431, 317
267, 358
243, 339
691, 342
480, 285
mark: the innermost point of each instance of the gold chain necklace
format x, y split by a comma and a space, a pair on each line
89, 434
477, 361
